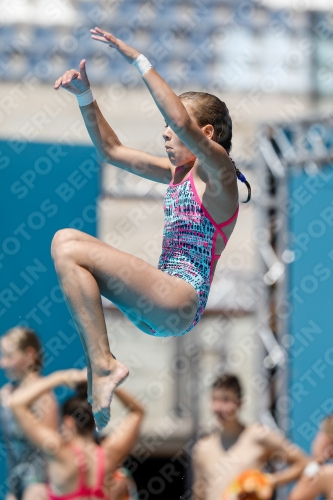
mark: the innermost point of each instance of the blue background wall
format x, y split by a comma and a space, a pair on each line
310, 302
44, 187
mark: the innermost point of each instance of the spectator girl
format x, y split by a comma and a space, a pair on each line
78, 467
22, 361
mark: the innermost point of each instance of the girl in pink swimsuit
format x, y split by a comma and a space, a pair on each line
201, 207
77, 467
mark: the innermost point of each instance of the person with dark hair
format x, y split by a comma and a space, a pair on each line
317, 478
201, 210
233, 448
78, 467
229, 382
22, 360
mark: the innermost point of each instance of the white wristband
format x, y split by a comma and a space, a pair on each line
85, 98
312, 469
142, 64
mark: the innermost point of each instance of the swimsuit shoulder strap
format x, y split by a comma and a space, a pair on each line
204, 209
81, 489
81, 465
229, 221
100, 459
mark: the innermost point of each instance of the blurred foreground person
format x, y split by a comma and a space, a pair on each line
21, 359
220, 458
77, 467
317, 478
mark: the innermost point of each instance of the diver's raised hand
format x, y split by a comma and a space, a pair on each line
128, 52
74, 81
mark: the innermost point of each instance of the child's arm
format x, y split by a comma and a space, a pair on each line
214, 158
38, 432
275, 444
123, 439
46, 410
309, 488
105, 139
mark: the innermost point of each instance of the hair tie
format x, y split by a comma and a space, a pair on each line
242, 177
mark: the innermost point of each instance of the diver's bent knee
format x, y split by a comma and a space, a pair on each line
64, 253
62, 236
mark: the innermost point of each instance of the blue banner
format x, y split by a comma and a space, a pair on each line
310, 296
44, 188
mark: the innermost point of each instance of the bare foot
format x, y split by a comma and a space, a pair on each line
103, 385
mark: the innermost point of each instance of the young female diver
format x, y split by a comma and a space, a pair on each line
201, 208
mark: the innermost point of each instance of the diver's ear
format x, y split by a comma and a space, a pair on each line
208, 130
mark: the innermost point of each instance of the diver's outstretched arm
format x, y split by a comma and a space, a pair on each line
106, 141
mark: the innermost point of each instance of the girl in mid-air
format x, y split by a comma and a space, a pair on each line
201, 208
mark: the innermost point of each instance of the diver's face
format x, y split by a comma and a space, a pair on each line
176, 150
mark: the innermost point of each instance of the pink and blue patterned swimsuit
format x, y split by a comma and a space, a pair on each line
189, 241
